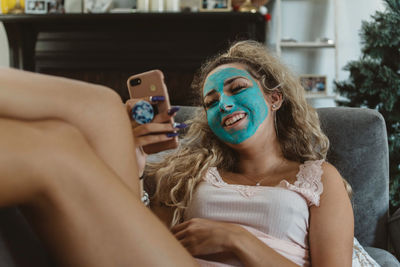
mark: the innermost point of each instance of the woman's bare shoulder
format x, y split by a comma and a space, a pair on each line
333, 183
330, 173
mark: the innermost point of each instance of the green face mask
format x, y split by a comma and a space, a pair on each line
249, 100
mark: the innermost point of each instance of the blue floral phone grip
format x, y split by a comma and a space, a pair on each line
142, 112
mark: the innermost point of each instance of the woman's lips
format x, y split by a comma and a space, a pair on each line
233, 119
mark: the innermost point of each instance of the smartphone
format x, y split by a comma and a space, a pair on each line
151, 83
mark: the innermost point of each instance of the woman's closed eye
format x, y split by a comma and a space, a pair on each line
236, 86
239, 85
237, 89
210, 103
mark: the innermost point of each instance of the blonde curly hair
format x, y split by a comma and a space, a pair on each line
297, 125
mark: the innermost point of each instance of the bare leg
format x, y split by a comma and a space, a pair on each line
79, 205
67, 155
96, 111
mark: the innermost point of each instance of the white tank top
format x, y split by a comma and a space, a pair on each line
277, 215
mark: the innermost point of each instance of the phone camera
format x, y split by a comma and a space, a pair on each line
136, 81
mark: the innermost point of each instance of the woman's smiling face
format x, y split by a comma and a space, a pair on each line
234, 102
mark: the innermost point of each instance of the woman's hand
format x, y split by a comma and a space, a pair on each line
151, 133
202, 236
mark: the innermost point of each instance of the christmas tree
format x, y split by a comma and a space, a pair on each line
374, 82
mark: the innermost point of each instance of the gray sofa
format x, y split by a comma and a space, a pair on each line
359, 150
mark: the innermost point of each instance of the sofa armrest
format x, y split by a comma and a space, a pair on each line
394, 230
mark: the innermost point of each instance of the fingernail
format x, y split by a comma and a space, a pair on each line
172, 134
173, 110
179, 125
157, 98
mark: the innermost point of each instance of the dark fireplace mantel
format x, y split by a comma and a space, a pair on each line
108, 48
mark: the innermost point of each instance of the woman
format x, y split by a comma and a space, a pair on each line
251, 167
69, 160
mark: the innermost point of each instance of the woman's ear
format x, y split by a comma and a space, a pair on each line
275, 99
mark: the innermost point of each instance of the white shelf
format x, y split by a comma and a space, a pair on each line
288, 46
306, 45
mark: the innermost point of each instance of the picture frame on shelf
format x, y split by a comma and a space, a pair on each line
215, 5
314, 84
97, 6
55, 6
36, 7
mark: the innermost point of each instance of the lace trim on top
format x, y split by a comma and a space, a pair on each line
213, 177
308, 182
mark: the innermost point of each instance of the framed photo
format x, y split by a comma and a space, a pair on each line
215, 5
36, 6
313, 84
55, 6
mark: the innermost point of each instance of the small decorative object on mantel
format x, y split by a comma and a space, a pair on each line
36, 7
98, 6
252, 6
121, 10
215, 5
314, 84
12, 7
189, 5
172, 5
142, 5
55, 6
73, 6
248, 6
157, 5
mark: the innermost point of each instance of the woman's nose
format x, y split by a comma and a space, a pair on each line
224, 107
226, 104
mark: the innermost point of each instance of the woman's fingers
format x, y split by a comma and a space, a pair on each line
160, 129
152, 128
155, 128
154, 138
179, 231
180, 227
166, 117
180, 235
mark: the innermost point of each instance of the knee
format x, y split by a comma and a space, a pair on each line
103, 99
110, 102
100, 104
105, 95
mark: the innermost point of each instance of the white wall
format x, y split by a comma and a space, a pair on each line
4, 56
306, 20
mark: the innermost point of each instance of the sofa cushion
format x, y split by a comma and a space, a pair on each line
359, 150
383, 257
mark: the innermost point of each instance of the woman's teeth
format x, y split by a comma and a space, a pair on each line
234, 119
